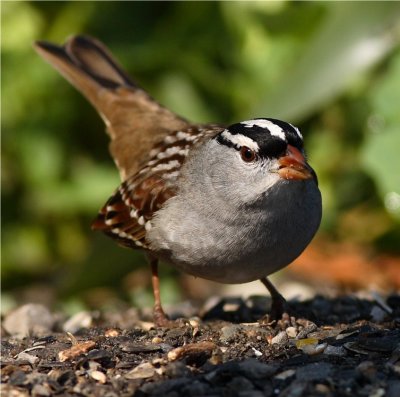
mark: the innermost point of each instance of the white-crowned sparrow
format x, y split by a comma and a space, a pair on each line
228, 204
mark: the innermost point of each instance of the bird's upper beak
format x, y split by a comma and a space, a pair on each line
293, 165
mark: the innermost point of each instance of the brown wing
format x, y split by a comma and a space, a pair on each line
127, 214
133, 119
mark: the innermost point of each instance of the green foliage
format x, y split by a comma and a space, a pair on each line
380, 150
333, 68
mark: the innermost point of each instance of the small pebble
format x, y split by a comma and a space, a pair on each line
380, 392
367, 370
142, 371
29, 319
335, 351
27, 357
322, 389
378, 314
229, 332
310, 327
285, 374
257, 353
99, 355
394, 368
112, 333
281, 338
78, 321
291, 332
231, 307
381, 302
41, 391
146, 325
313, 350
194, 322
98, 376
176, 333
93, 365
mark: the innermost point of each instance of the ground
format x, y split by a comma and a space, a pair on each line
343, 346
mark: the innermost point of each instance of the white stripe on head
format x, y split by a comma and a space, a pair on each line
274, 129
241, 140
297, 131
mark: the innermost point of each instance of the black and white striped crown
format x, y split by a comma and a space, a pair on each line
266, 136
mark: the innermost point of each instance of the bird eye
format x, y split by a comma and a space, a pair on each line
248, 155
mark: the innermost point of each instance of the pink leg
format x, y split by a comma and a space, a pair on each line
160, 318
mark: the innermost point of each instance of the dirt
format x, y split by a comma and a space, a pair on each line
344, 346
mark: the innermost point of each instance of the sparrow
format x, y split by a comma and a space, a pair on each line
230, 204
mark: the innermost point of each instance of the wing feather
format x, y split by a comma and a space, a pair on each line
127, 214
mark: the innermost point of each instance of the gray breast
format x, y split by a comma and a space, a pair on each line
214, 239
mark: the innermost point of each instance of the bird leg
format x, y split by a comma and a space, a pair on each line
159, 316
278, 304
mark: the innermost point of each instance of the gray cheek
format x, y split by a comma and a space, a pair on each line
229, 178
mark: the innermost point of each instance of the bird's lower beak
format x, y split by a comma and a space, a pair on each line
294, 166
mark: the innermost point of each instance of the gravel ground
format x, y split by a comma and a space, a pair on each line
344, 346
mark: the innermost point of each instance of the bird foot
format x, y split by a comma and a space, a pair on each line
161, 320
278, 312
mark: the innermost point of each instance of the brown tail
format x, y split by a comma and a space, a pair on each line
134, 120
85, 55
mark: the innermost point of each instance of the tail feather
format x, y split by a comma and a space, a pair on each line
134, 120
95, 59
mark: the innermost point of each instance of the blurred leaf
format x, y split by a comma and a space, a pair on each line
381, 157
71, 19
20, 24
380, 152
69, 234
41, 158
25, 247
180, 94
89, 188
385, 96
350, 39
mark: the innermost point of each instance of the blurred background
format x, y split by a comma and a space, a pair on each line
332, 68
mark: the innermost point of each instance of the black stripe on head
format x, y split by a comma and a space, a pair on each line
271, 135
223, 141
292, 133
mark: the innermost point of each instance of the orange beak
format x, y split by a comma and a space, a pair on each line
294, 166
